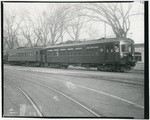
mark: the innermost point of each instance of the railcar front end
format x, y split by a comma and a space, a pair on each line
127, 57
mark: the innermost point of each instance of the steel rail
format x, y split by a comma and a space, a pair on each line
81, 105
104, 93
29, 98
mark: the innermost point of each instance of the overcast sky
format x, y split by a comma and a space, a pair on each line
137, 22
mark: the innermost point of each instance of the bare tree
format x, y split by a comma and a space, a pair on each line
114, 14
12, 25
27, 32
56, 23
40, 28
75, 23
35, 29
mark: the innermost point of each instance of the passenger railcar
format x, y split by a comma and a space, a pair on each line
111, 54
105, 54
25, 56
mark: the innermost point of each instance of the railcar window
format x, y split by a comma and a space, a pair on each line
56, 52
92, 50
62, 51
111, 49
70, 52
66, 52
129, 48
132, 48
125, 48
107, 50
78, 51
116, 48
96, 51
50, 52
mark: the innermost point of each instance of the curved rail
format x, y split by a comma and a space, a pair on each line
81, 105
29, 98
107, 94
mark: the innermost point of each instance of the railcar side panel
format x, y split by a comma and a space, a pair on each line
23, 55
94, 54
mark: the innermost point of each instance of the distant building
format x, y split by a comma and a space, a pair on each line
139, 52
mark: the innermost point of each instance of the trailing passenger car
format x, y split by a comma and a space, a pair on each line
25, 56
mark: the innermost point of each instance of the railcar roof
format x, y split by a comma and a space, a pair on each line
107, 40
25, 48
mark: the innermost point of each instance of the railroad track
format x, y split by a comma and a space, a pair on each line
54, 90
89, 89
39, 113
100, 92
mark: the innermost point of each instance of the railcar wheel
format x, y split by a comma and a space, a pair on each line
120, 69
66, 66
87, 67
98, 68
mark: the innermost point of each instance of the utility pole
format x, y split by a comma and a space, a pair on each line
105, 29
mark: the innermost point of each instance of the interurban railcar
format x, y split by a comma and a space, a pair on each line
25, 56
112, 54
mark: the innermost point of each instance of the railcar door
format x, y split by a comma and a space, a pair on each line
109, 53
117, 52
43, 52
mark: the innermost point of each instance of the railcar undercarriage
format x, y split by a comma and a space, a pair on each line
109, 68
114, 68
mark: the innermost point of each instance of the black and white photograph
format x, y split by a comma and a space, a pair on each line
74, 59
